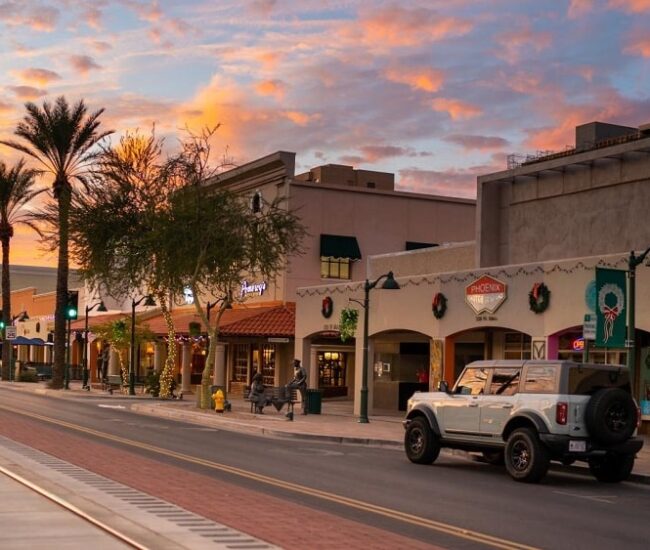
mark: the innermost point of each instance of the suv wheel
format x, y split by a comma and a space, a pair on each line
526, 458
420, 442
611, 416
612, 468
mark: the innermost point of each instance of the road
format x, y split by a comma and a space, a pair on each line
369, 497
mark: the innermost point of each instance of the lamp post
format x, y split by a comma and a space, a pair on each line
389, 284
148, 301
100, 307
633, 262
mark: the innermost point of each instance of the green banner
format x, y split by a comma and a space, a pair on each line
610, 308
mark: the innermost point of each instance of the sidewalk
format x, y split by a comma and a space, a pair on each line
336, 423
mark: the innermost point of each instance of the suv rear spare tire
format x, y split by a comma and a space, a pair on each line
420, 443
526, 457
611, 416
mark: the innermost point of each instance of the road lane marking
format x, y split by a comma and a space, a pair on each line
103, 406
606, 499
488, 540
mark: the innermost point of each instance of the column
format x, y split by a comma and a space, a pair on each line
312, 368
186, 368
159, 356
113, 362
219, 374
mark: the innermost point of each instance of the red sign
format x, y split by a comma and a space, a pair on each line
486, 294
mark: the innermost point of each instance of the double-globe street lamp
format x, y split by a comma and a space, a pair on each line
100, 307
148, 301
389, 284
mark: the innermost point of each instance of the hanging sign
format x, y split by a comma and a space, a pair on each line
610, 308
486, 294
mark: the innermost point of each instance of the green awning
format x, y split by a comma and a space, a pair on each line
339, 246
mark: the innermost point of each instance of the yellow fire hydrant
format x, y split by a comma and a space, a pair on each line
219, 400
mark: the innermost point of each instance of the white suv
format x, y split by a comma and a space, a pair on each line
528, 413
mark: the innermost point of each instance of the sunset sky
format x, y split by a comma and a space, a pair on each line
436, 91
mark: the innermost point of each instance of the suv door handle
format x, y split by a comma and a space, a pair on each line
507, 406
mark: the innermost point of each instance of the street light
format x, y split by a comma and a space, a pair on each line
100, 307
633, 262
148, 301
389, 284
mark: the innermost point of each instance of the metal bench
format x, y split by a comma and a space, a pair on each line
277, 396
114, 382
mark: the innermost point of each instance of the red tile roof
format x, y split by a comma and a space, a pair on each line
267, 320
275, 322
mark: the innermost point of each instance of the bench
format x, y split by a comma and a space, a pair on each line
276, 396
44, 372
114, 382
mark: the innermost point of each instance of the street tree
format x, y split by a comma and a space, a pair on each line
225, 237
115, 236
62, 139
17, 189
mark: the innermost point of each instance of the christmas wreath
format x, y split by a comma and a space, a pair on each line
539, 298
348, 323
327, 308
439, 305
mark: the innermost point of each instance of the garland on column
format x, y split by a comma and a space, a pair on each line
539, 298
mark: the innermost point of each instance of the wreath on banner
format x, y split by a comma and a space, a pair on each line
348, 323
327, 307
539, 298
610, 313
439, 305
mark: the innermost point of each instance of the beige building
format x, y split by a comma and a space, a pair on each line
550, 221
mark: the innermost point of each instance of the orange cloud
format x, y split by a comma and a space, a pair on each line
633, 6
92, 17
299, 118
269, 60
27, 92
396, 26
275, 88
512, 44
40, 77
641, 47
426, 78
455, 108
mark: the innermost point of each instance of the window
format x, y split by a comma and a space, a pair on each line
505, 381
334, 268
472, 382
540, 380
240, 363
268, 364
517, 345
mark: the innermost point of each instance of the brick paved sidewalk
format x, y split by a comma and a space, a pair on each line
337, 422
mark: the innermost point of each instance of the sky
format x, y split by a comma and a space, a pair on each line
434, 91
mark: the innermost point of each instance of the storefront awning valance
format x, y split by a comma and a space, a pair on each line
339, 246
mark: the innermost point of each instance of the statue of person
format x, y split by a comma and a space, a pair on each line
257, 394
299, 382
102, 362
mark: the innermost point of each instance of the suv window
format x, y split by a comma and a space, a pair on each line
505, 381
540, 379
587, 381
472, 382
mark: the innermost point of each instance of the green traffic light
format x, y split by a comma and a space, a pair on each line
72, 313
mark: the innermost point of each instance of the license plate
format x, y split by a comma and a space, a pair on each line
577, 446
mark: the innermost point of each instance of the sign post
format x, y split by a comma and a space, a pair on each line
10, 334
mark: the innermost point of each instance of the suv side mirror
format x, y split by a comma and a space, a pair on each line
443, 386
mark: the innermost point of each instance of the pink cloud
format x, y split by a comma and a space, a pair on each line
27, 92
92, 17
100, 46
455, 108
638, 46
452, 182
578, 8
513, 44
425, 78
300, 118
481, 143
397, 26
83, 63
43, 18
40, 77
373, 153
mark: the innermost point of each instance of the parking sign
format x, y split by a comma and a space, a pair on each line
10, 333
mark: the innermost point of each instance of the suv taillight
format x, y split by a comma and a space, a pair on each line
561, 413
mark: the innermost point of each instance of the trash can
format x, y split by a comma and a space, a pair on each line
314, 398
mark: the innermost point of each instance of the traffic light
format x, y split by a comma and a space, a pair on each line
72, 306
2, 324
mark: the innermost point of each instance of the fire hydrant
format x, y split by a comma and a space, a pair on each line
219, 401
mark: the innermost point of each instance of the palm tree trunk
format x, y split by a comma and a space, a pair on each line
6, 305
60, 336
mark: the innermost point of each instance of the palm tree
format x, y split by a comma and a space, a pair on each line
16, 190
61, 138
